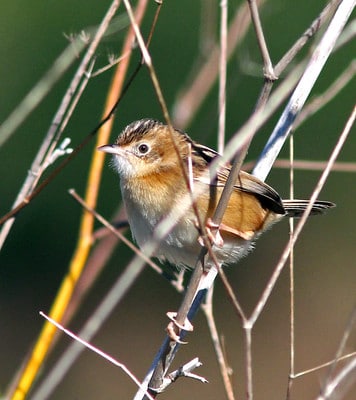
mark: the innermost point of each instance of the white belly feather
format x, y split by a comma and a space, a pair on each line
180, 246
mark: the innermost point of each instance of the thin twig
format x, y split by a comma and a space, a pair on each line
320, 101
207, 307
191, 98
280, 265
99, 257
45, 338
295, 49
339, 385
34, 97
34, 171
347, 35
111, 64
291, 274
267, 63
117, 233
23, 197
231, 296
349, 328
75, 152
184, 371
148, 61
165, 226
163, 365
95, 350
63, 123
286, 253
324, 365
222, 75
91, 327
40, 90
309, 33
248, 361
301, 92
255, 117
307, 165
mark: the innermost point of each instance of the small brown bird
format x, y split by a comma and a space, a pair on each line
153, 188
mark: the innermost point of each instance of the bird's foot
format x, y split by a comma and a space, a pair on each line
214, 237
174, 328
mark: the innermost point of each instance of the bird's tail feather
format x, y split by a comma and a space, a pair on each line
295, 208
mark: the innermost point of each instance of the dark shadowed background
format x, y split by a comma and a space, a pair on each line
39, 247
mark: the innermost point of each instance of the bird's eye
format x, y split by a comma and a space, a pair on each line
143, 148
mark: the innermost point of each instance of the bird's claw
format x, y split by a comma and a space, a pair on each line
174, 328
215, 238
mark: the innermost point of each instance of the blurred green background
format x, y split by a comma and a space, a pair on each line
39, 247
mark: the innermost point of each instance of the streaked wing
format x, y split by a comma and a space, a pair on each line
268, 197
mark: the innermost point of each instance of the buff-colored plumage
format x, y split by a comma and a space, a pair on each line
153, 188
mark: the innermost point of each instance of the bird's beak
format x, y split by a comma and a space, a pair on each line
110, 148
